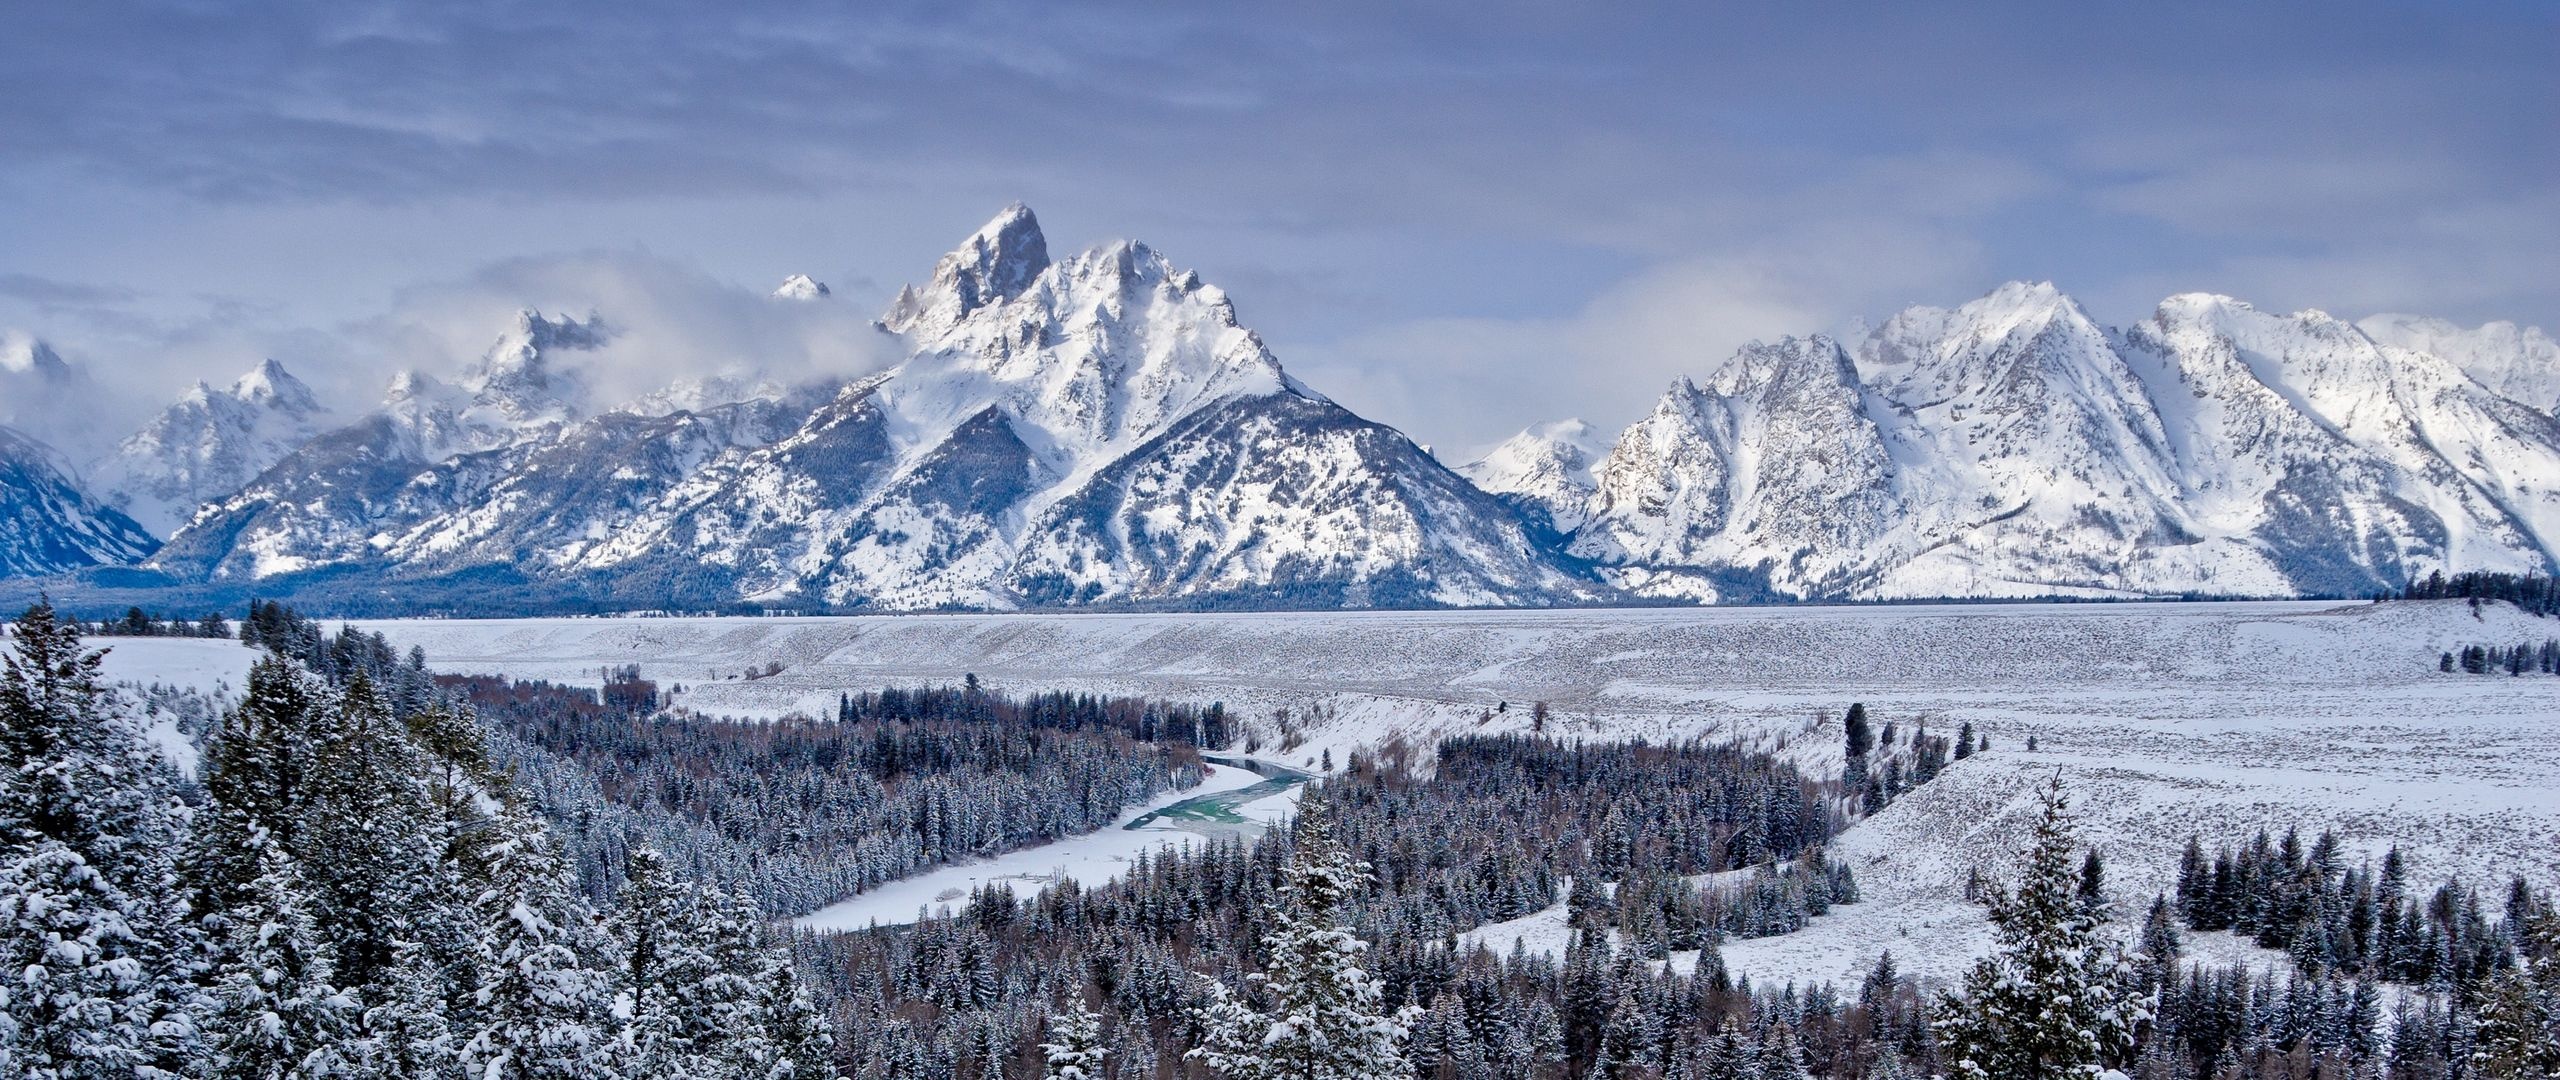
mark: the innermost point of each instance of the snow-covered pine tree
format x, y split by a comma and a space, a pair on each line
257, 769
1074, 1050
276, 1014
2058, 999
539, 1005
87, 934
652, 931
797, 1035
1325, 1017
1782, 1056
2519, 1033
365, 824
411, 1032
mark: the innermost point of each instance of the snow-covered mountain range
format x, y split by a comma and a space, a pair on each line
1092, 430
2015, 447
1100, 430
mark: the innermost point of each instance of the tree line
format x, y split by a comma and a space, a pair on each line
799, 813
2538, 594
139, 623
2516, 659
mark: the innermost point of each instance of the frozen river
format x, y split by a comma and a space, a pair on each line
1239, 795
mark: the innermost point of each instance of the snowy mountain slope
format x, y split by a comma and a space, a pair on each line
1286, 500
2014, 447
207, 444
1096, 429
48, 524
1546, 469
1771, 468
2369, 462
566, 495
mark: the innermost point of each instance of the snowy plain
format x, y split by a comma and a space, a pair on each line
2164, 719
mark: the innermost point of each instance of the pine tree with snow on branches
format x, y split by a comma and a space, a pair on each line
1324, 1017
2059, 999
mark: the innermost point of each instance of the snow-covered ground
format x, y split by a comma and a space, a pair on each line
216, 668
2165, 719
212, 666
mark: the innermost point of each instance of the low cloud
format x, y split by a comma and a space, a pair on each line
666, 322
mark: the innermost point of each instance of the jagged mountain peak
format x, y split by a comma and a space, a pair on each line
2015, 350
801, 287
1816, 357
522, 348
518, 379
1103, 347
206, 445
409, 384
514, 392
995, 264
2023, 309
51, 399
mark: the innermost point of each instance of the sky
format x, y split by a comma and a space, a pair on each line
1456, 219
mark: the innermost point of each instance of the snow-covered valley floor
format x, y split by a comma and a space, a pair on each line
2164, 719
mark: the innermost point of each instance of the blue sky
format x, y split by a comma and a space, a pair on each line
1457, 218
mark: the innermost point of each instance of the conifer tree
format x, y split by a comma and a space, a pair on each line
2519, 1032
798, 1037
1325, 1017
86, 821
365, 822
2159, 943
276, 1013
538, 1004
411, 1032
1074, 1050
256, 774
2058, 999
